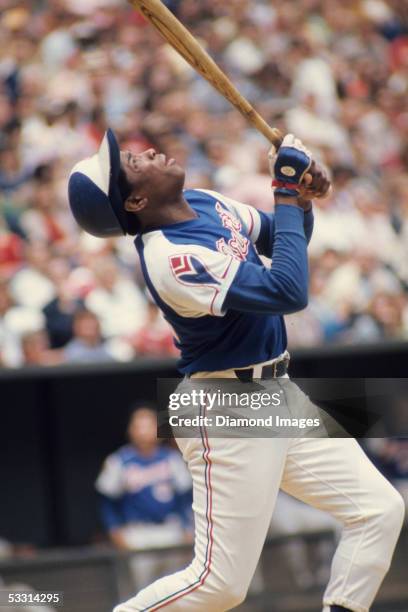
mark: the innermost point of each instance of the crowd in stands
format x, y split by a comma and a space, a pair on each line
335, 73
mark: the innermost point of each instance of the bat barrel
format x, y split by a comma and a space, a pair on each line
188, 47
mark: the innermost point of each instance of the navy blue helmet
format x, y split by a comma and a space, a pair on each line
97, 190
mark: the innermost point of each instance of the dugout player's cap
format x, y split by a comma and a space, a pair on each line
97, 191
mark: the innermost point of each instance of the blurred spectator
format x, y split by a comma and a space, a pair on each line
12, 173
11, 250
31, 285
9, 347
336, 74
59, 315
155, 337
116, 300
380, 321
40, 223
87, 344
146, 493
36, 350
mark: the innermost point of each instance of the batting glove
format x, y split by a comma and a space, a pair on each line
289, 165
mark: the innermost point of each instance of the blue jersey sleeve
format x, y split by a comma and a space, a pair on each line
264, 242
282, 289
308, 225
111, 513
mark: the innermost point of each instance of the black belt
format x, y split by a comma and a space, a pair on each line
272, 370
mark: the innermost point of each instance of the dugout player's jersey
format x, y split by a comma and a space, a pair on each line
207, 277
140, 489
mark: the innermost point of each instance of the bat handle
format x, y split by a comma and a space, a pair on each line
274, 135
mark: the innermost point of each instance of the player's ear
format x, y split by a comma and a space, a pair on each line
134, 204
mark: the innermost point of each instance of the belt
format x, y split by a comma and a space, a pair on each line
271, 370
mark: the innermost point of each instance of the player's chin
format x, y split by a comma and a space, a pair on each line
176, 171
174, 180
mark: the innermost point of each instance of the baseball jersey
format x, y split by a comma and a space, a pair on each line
206, 275
140, 489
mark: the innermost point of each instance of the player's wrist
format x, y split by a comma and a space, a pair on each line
286, 188
290, 200
306, 204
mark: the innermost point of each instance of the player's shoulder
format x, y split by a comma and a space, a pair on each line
207, 202
207, 196
214, 196
201, 193
205, 193
158, 246
187, 262
243, 217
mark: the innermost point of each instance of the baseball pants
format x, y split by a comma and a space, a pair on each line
235, 485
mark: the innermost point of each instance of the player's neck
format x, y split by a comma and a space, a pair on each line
173, 211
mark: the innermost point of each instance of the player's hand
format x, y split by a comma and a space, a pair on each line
316, 183
118, 539
289, 166
295, 173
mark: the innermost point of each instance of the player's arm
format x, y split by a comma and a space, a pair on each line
260, 226
319, 187
110, 488
118, 539
266, 237
112, 519
283, 288
199, 281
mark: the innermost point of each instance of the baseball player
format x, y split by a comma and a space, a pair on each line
145, 490
200, 254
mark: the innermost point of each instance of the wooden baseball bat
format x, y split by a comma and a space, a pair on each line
180, 39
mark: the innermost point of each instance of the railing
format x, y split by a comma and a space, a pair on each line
95, 579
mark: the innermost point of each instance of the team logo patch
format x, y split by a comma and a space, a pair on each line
288, 171
189, 269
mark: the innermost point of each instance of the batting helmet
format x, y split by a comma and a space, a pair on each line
97, 190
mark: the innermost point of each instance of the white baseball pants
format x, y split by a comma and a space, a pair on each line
235, 485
